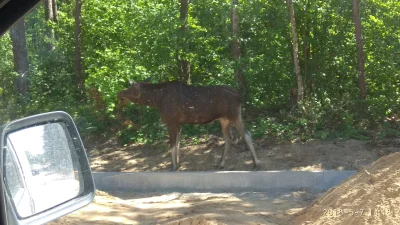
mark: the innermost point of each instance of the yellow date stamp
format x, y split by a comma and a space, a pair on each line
367, 212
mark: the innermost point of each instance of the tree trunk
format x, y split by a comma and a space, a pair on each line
236, 51
296, 54
78, 48
183, 62
55, 11
306, 54
20, 52
49, 16
360, 52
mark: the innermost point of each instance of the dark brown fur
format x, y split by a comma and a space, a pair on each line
179, 104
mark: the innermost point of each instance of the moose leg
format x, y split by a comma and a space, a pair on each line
225, 130
173, 132
247, 137
178, 139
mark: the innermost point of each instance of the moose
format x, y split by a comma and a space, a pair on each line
179, 103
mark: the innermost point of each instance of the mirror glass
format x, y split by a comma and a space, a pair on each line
42, 168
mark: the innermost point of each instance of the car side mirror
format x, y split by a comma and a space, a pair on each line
45, 170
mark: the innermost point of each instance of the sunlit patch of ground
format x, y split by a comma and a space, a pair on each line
189, 208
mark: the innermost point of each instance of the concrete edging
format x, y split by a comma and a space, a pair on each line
220, 181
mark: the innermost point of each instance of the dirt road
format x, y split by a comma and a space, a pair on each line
189, 208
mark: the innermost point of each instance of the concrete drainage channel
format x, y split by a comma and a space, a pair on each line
220, 181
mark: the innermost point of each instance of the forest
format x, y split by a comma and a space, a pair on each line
309, 69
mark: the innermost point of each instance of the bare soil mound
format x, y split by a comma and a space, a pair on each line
372, 196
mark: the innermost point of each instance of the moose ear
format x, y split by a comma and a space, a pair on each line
131, 82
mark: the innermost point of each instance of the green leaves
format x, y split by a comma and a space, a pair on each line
140, 39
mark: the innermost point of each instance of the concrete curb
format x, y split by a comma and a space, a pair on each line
220, 181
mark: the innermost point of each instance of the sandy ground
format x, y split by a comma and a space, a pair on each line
204, 156
189, 208
372, 196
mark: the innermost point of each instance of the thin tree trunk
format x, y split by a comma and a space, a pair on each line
55, 11
183, 62
78, 48
299, 79
306, 53
49, 16
360, 51
236, 51
20, 52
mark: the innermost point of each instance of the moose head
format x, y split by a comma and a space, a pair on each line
132, 93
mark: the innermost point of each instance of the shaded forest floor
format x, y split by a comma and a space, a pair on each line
205, 153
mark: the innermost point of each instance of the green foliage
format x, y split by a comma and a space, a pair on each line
140, 39
9, 98
146, 128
